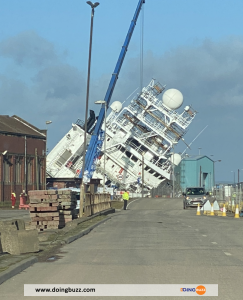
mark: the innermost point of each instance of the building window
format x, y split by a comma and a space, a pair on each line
18, 169
30, 171
6, 167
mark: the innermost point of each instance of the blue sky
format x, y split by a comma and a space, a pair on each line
194, 46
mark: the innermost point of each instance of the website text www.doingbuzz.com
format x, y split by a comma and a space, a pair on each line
65, 290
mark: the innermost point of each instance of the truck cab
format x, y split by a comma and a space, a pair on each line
194, 196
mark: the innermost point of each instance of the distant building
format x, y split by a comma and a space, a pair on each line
195, 171
22, 157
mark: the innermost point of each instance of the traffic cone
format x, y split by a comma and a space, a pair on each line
224, 211
212, 211
198, 210
237, 211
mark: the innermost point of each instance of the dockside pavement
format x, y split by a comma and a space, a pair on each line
50, 241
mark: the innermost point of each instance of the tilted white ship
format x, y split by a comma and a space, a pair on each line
146, 131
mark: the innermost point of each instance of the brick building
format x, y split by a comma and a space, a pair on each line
22, 157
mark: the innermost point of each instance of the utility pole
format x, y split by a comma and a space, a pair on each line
82, 191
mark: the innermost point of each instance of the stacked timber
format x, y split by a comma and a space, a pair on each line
51, 209
43, 209
95, 203
67, 206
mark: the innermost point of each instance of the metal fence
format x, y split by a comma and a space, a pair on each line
230, 196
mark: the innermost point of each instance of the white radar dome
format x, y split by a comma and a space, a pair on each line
175, 159
116, 106
172, 99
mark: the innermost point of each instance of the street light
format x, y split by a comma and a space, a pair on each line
47, 123
93, 5
103, 102
214, 161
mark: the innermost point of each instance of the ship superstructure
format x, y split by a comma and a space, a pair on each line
143, 133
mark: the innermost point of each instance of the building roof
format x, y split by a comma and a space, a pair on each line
196, 157
17, 126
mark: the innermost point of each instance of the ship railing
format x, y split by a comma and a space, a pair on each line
181, 120
137, 148
124, 123
163, 165
100, 170
80, 123
143, 141
147, 135
135, 108
159, 128
175, 117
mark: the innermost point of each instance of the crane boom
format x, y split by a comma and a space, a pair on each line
96, 140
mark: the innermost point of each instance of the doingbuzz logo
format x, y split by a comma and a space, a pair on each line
200, 290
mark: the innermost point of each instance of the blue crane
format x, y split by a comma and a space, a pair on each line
97, 138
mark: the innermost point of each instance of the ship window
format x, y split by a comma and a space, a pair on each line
113, 166
63, 158
134, 158
156, 175
151, 171
108, 139
146, 168
128, 154
75, 159
140, 165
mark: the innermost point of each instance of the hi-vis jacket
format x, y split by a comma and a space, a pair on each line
125, 196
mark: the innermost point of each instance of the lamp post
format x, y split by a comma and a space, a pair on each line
47, 123
214, 161
199, 151
103, 102
93, 5
3, 173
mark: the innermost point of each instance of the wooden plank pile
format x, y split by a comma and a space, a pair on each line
67, 206
51, 209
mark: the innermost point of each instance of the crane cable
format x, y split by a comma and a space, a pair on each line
141, 47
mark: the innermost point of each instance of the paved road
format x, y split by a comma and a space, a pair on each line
154, 242
8, 214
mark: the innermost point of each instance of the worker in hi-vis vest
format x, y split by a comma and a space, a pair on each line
13, 199
125, 197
